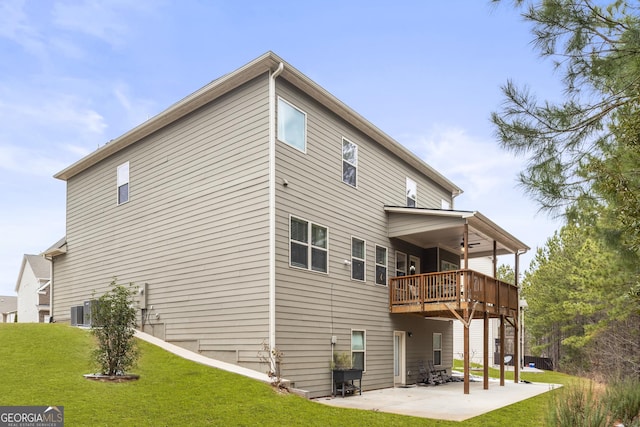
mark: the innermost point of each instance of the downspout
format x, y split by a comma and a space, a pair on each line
51, 319
272, 206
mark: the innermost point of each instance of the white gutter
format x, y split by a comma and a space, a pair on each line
272, 206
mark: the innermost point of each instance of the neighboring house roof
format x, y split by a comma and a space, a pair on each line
425, 227
40, 266
58, 248
8, 304
215, 89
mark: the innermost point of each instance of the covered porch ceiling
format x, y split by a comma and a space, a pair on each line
445, 228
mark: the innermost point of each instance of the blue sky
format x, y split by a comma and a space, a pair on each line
75, 74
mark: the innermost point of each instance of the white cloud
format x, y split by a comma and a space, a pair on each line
25, 160
16, 26
137, 110
480, 167
41, 133
104, 20
488, 176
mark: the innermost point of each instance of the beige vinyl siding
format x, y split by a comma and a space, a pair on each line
194, 228
316, 306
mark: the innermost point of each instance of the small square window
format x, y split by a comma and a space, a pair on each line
292, 125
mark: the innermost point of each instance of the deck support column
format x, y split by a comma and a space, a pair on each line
516, 361
466, 351
485, 350
502, 334
519, 358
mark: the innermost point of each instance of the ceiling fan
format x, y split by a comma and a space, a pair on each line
471, 244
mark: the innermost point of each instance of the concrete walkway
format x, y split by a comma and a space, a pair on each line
445, 402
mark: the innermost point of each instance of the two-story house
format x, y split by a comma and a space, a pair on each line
33, 288
262, 209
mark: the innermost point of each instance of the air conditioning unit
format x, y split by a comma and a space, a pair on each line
77, 315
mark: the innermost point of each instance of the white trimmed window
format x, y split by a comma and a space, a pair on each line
381, 265
358, 349
308, 245
437, 349
123, 183
292, 125
401, 264
412, 193
349, 162
358, 259
446, 205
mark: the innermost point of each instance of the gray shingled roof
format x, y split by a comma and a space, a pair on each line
39, 265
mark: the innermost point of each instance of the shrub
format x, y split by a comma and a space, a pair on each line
113, 318
581, 405
576, 405
272, 357
622, 400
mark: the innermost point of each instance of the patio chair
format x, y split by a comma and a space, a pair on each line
428, 376
439, 373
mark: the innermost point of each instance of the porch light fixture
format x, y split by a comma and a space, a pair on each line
347, 262
409, 334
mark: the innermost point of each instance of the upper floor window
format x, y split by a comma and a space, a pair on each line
358, 256
349, 162
308, 245
401, 264
292, 125
412, 193
381, 265
446, 205
123, 183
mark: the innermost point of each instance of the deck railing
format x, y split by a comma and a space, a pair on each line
457, 288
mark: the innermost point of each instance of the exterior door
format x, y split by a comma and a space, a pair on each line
414, 261
399, 358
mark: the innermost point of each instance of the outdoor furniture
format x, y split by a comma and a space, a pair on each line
440, 373
343, 381
428, 375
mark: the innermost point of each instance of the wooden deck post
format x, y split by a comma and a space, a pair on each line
516, 335
486, 350
502, 349
516, 362
466, 351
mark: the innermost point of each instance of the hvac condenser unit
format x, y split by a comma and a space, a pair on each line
77, 315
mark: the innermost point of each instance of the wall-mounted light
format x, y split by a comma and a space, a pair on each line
347, 262
410, 334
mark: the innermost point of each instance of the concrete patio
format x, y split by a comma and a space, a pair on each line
444, 402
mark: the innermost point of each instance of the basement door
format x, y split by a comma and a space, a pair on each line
399, 358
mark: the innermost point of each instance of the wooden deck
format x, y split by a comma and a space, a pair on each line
448, 294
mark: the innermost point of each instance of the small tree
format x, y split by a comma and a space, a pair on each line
272, 357
113, 324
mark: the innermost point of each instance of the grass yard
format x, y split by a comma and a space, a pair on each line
43, 364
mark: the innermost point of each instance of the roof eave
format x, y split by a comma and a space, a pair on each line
228, 82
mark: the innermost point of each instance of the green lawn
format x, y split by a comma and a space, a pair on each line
43, 364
